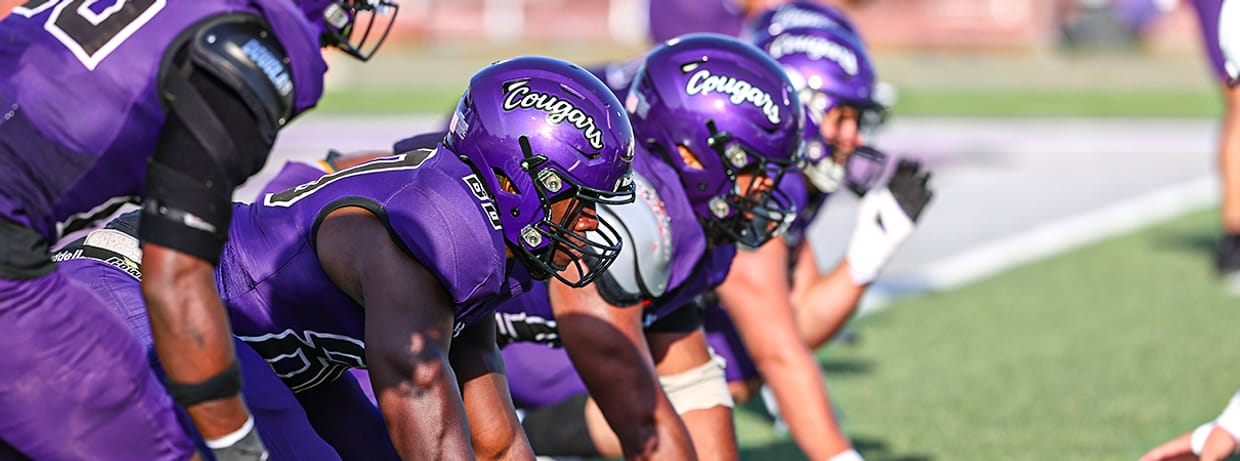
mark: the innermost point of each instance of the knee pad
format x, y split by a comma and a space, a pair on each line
698, 388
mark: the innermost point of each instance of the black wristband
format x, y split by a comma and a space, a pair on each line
226, 383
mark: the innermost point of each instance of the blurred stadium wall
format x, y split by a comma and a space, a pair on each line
930, 25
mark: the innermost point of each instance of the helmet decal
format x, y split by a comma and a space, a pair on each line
739, 91
520, 96
814, 48
792, 17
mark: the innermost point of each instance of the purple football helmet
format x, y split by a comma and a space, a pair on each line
726, 117
830, 68
801, 13
545, 134
339, 22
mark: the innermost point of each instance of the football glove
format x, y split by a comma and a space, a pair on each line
886, 219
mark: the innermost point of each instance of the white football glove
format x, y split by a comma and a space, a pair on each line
1228, 420
886, 219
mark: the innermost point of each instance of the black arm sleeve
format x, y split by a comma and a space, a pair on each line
224, 103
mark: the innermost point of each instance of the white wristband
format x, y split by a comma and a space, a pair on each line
232, 439
848, 455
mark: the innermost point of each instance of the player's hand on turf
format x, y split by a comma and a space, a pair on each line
886, 219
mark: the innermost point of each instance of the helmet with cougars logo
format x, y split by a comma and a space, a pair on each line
830, 68
725, 116
801, 13
545, 135
339, 22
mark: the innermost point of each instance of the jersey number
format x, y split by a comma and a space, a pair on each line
407, 161
305, 362
91, 32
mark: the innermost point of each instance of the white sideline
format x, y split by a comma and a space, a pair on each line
1047, 240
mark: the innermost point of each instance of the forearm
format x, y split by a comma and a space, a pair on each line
624, 384
643, 420
191, 333
424, 414
495, 432
804, 403
826, 304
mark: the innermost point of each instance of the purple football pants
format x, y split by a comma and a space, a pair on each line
540, 376
280, 421
722, 336
77, 383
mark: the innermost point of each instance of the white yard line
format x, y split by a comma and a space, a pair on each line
1047, 240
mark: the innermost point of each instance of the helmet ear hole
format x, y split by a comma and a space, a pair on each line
505, 183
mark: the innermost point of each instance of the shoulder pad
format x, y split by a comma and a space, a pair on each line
241, 50
644, 264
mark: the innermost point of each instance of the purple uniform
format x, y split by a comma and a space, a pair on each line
80, 117
277, 415
664, 265
721, 333
1207, 18
63, 160
283, 305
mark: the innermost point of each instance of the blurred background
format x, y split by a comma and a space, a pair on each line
1138, 57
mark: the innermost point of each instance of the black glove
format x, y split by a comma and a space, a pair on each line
909, 185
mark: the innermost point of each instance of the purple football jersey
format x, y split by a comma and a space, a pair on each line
79, 109
693, 268
282, 303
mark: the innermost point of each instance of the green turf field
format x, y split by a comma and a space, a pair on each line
1098, 354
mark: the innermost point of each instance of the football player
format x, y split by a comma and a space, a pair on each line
775, 307
1216, 37
175, 103
720, 127
395, 264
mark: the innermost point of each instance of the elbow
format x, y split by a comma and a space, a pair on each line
420, 369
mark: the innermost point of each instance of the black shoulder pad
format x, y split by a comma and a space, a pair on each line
241, 50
